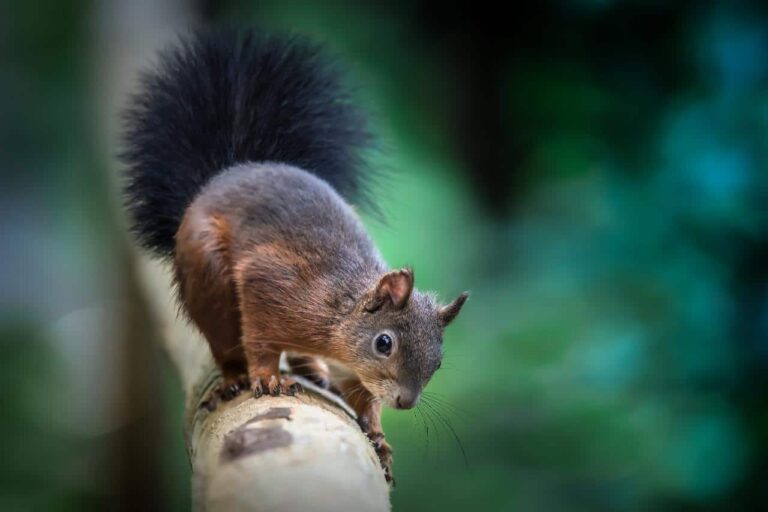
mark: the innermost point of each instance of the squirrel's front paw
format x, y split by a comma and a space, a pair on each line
274, 385
384, 451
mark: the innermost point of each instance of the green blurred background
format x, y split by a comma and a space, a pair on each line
594, 171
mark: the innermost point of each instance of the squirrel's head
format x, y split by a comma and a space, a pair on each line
399, 338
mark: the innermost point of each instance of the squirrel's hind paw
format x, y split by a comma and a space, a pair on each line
311, 368
227, 390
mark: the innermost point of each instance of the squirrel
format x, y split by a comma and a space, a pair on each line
243, 158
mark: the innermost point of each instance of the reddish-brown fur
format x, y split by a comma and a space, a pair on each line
269, 259
207, 291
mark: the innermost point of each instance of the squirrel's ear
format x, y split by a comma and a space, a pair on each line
449, 312
395, 286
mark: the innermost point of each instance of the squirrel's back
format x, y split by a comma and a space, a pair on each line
226, 97
282, 206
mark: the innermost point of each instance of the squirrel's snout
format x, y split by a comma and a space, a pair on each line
406, 401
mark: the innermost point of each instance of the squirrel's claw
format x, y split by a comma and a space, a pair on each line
384, 451
274, 386
256, 387
227, 390
290, 386
377, 440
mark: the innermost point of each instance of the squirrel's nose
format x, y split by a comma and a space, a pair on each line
406, 402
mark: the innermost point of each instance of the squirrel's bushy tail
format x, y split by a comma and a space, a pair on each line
219, 98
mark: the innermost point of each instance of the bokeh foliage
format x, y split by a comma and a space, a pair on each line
604, 201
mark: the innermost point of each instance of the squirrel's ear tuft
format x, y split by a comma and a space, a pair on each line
394, 287
451, 311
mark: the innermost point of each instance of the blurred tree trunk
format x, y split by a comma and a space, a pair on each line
124, 34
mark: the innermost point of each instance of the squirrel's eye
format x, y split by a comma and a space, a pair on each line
383, 344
